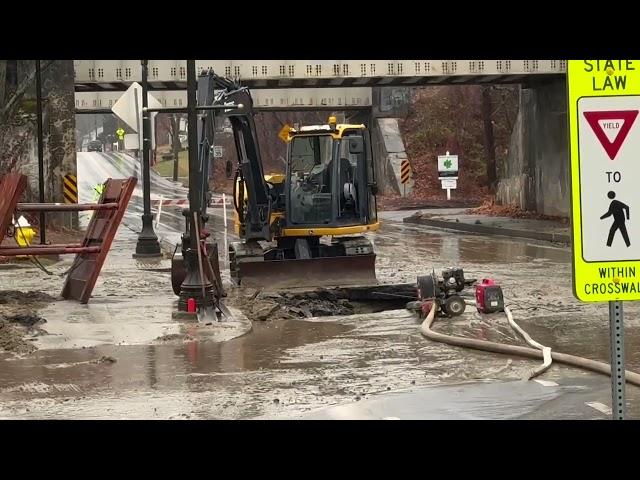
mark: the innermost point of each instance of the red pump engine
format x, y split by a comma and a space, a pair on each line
489, 298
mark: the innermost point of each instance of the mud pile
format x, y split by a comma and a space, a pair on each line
18, 319
277, 306
315, 303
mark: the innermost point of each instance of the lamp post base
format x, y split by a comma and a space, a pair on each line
148, 245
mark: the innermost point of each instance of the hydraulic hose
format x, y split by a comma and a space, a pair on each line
235, 195
484, 345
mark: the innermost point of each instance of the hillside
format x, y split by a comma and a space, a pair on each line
450, 118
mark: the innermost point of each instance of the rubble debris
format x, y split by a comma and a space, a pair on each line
491, 208
26, 320
105, 359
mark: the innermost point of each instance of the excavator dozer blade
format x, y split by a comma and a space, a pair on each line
314, 272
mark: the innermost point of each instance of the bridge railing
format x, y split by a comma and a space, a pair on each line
114, 71
339, 98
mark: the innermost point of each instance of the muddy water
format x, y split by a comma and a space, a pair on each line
288, 367
438, 247
69, 375
586, 337
282, 368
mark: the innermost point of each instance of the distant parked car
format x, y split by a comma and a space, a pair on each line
94, 146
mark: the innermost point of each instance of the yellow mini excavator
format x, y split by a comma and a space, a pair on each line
304, 227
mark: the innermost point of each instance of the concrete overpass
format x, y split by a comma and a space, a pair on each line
106, 75
299, 84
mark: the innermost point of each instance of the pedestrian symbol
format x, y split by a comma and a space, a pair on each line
618, 210
120, 133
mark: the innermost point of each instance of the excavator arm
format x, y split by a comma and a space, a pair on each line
249, 174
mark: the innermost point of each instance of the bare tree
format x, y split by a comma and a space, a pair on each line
8, 107
176, 145
3, 80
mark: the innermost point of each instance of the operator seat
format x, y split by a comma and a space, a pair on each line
347, 186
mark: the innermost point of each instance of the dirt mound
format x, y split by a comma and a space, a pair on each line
17, 297
11, 339
18, 318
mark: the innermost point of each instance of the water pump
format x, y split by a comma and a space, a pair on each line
445, 292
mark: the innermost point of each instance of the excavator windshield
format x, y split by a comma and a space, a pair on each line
311, 179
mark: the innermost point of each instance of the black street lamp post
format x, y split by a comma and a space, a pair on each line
148, 245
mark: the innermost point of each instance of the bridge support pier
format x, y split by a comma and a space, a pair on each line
18, 139
535, 175
389, 104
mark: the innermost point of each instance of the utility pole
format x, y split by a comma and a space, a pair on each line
148, 245
40, 151
175, 143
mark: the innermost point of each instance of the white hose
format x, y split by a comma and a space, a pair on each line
572, 360
546, 351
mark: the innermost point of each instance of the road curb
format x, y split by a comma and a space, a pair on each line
488, 230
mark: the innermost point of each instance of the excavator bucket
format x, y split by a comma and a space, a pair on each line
314, 272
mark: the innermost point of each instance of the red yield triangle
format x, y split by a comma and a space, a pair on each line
612, 148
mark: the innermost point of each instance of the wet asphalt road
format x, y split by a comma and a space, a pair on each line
362, 366
95, 168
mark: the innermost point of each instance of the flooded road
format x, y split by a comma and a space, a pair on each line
288, 368
366, 366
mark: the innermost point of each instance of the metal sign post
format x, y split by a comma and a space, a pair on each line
617, 360
603, 106
448, 172
448, 184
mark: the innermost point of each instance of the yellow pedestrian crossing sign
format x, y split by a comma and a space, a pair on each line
603, 106
120, 133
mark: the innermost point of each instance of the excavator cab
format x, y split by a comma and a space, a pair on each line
330, 180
